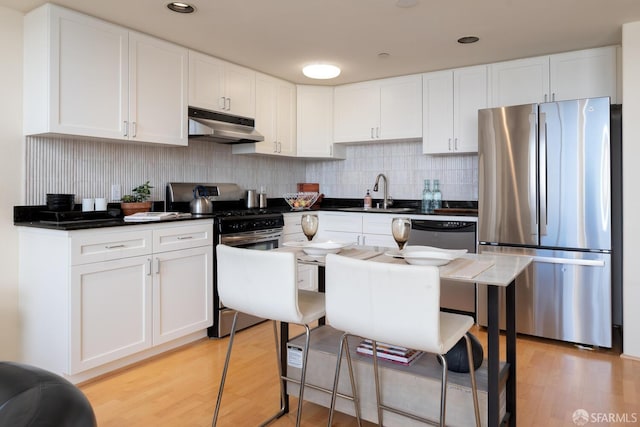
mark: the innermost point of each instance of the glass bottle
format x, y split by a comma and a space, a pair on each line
427, 198
437, 195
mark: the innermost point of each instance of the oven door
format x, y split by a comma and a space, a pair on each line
263, 240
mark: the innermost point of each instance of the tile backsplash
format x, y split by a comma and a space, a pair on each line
405, 167
89, 168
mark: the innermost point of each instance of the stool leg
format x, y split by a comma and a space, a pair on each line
352, 379
281, 412
344, 340
224, 370
305, 356
472, 373
377, 380
443, 391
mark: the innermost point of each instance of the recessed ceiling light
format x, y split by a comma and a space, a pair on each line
468, 39
383, 55
181, 7
321, 71
406, 3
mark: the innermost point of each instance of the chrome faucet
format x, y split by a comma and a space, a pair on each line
385, 201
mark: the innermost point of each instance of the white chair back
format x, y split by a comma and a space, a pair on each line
261, 283
391, 303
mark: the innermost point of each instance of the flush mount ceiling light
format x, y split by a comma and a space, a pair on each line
321, 71
406, 3
181, 7
468, 39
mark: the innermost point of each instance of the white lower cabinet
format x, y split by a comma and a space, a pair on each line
97, 299
307, 274
110, 311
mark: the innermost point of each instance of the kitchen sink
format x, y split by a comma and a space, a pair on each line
380, 210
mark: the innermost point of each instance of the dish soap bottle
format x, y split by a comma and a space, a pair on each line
437, 195
367, 200
427, 198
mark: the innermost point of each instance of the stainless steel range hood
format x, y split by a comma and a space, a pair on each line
222, 128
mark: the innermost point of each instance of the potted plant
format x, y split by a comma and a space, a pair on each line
137, 201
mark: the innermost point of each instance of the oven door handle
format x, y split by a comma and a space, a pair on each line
245, 240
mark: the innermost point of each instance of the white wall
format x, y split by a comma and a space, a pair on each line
630, 178
10, 173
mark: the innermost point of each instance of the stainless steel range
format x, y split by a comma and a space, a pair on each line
233, 225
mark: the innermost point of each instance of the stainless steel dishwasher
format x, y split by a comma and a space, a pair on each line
454, 296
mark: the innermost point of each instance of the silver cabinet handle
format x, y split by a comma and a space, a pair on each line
222, 103
126, 128
148, 267
455, 144
113, 246
279, 146
184, 237
449, 144
372, 133
553, 97
545, 97
377, 131
156, 265
275, 146
134, 129
229, 104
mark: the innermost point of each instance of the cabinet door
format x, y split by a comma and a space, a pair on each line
469, 95
523, 81
158, 91
401, 107
587, 73
286, 117
88, 77
315, 122
239, 88
182, 293
437, 134
206, 78
356, 113
110, 311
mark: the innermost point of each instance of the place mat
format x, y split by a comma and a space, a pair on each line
465, 268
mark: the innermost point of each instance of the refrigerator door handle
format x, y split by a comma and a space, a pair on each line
569, 261
543, 172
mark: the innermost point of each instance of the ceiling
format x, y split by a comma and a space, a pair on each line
279, 37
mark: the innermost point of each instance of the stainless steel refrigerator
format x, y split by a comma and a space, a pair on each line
545, 187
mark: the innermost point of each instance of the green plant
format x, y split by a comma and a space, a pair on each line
139, 194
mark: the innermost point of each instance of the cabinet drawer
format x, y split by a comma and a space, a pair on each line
109, 246
184, 237
341, 222
377, 224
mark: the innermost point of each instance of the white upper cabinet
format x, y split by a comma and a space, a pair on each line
378, 110
523, 81
572, 75
86, 77
275, 118
157, 91
587, 73
221, 86
451, 100
315, 123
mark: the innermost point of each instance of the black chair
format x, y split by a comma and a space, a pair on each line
33, 397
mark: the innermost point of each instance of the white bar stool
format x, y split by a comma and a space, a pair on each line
264, 284
396, 304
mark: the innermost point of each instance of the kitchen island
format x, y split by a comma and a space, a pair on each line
501, 273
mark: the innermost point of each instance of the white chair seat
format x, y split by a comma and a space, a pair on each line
311, 305
452, 328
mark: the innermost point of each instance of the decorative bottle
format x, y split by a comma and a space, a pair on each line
437, 195
427, 198
367, 200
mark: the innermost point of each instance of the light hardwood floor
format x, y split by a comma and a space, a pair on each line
179, 389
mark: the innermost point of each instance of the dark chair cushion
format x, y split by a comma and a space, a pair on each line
33, 397
456, 358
